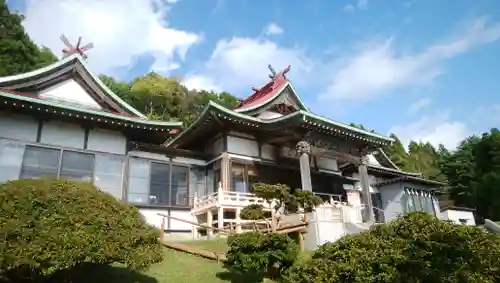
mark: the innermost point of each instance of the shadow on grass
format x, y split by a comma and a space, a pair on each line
235, 277
93, 273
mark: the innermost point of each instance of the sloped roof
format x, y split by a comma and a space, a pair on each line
411, 179
306, 118
268, 93
124, 115
57, 69
25, 97
378, 161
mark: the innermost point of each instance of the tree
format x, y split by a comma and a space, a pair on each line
414, 248
18, 53
52, 225
258, 256
280, 198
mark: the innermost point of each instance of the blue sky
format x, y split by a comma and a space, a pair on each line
426, 70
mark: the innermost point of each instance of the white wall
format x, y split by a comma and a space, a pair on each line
216, 146
63, 134
327, 163
152, 218
269, 151
242, 146
455, 215
18, 126
69, 91
106, 141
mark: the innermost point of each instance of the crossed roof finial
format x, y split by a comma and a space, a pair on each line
274, 75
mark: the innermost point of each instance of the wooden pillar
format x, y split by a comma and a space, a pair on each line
220, 218
238, 220
368, 215
225, 169
209, 223
304, 149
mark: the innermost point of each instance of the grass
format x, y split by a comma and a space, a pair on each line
176, 267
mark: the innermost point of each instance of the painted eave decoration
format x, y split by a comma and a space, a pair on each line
27, 102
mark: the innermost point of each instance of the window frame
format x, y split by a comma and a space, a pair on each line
422, 196
61, 149
163, 162
245, 164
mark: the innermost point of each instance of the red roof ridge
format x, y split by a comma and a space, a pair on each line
261, 95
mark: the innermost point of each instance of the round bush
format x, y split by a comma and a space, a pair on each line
52, 225
261, 255
414, 248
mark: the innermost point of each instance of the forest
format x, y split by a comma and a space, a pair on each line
471, 171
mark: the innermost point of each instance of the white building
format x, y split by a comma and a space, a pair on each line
62, 121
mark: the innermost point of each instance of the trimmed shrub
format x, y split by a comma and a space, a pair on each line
52, 225
261, 255
413, 248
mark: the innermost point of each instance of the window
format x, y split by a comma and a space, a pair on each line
108, 174
77, 166
138, 181
417, 200
243, 176
157, 183
179, 185
103, 170
11, 159
197, 180
238, 178
40, 162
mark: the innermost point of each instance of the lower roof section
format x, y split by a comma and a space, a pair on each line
137, 128
216, 119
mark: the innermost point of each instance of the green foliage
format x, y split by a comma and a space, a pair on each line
413, 248
284, 197
50, 225
307, 200
261, 255
18, 53
254, 212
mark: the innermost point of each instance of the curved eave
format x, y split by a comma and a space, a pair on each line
346, 130
382, 152
380, 169
271, 99
410, 179
67, 61
231, 116
35, 104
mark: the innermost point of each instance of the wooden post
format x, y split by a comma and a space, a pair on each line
304, 149
220, 218
209, 223
238, 220
162, 228
273, 217
367, 197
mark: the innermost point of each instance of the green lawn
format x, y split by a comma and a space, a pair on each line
176, 267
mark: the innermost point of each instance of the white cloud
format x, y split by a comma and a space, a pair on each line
200, 82
273, 29
436, 129
360, 5
419, 104
119, 29
238, 64
378, 67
